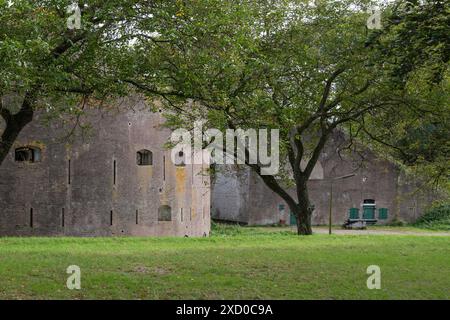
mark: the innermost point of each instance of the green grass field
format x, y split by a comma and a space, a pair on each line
235, 263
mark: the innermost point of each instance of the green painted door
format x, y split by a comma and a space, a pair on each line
293, 220
369, 212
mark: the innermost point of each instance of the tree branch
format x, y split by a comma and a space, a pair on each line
327, 89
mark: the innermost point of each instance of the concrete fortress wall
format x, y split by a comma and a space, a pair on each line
375, 178
95, 187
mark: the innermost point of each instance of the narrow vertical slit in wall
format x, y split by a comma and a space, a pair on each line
114, 172
62, 217
69, 173
164, 168
111, 218
137, 217
181, 214
31, 217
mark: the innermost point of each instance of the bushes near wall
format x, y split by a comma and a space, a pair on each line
436, 218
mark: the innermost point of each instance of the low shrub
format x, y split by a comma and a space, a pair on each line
437, 218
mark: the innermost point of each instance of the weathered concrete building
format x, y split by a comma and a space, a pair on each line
119, 180
241, 196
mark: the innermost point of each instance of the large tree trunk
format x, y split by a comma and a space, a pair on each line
303, 210
304, 216
14, 125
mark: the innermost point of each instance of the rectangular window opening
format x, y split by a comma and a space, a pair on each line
68, 173
114, 172
31, 217
164, 168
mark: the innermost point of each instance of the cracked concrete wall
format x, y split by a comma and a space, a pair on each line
83, 206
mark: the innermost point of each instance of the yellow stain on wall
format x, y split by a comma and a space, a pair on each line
115, 193
144, 175
68, 148
180, 177
163, 197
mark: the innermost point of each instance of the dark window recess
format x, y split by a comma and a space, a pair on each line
69, 173
137, 217
114, 172
31, 217
111, 218
165, 213
62, 217
180, 160
144, 158
164, 168
27, 154
181, 214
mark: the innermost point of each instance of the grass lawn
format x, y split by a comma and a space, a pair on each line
406, 229
234, 263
